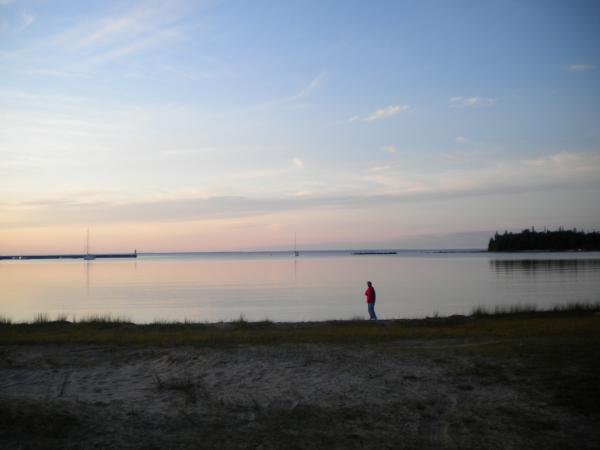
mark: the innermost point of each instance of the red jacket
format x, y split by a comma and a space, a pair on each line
370, 294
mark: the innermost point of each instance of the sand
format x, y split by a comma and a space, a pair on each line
434, 393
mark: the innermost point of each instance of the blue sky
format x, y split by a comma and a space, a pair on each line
189, 125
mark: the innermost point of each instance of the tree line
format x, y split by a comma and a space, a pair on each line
558, 240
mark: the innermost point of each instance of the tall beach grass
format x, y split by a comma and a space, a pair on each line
577, 307
580, 319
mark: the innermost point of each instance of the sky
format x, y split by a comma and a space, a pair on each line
236, 125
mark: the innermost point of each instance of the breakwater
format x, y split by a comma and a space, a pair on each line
71, 256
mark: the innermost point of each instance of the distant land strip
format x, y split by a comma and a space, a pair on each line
376, 253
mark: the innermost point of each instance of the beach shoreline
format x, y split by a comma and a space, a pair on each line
518, 381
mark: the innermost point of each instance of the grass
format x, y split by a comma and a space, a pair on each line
578, 307
517, 321
480, 311
104, 319
62, 317
5, 320
41, 318
184, 385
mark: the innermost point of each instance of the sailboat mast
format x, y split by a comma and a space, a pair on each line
87, 255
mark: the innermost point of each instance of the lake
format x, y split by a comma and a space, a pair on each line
314, 286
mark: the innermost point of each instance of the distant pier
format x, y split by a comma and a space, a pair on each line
71, 256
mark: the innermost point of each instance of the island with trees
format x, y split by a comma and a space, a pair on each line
532, 240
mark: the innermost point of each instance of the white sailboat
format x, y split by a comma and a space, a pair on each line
296, 252
87, 255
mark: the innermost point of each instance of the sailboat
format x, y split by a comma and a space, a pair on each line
87, 255
296, 252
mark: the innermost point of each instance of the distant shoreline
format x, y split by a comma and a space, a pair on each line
386, 252
249, 253
70, 256
547, 240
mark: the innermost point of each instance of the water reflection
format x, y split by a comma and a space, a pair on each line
87, 277
533, 266
280, 287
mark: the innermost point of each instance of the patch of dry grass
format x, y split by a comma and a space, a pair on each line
528, 309
5, 320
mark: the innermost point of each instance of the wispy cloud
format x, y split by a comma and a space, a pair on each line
390, 149
380, 168
193, 75
15, 22
471, 102
126, 31
580, 67
55, 73
393, 184
388, 111
158, 38
298, 163
461, 140
302, 94
564, 169
26, 19
314, 84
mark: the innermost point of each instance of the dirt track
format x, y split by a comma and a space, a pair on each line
431, 393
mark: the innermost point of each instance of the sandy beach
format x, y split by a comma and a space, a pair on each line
455, 393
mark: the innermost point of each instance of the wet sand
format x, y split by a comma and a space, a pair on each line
460, 393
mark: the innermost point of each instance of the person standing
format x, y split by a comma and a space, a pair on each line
371, 297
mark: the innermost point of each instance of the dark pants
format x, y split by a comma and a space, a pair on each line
372, 314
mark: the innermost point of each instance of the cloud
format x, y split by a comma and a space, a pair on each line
6, 2
461, 140
380, 168
559, 170
303, 93
142, 19
390, 149
471, 102
124, 32
580, 67
26, 20
388, 111
295, 98
154, 40
298, 163
391, 185
17, 22
314, 84
194, 75
466, 156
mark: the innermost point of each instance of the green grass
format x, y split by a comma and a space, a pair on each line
581, 321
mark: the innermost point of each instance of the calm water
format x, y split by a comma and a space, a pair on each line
314, 286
